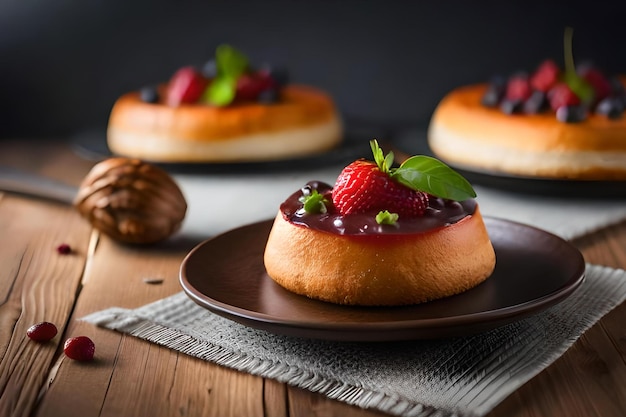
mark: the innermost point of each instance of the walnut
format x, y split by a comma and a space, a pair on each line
132, 201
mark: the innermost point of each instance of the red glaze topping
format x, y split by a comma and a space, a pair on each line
439, 213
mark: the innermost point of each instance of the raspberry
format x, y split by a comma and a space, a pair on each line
561, 95
250, 86
518, 88
64, 249
79, 348
42, 332
546, 76
601, 85
186, 86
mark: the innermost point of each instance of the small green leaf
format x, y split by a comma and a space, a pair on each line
576, 83
230, 62
379, 156
384, 217
432, 176
389, 161
221, 91
579, 86
314, 203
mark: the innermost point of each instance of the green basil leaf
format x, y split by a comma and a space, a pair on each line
221, 91
230, 62
432, 176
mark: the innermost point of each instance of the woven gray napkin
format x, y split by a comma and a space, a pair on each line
459, 377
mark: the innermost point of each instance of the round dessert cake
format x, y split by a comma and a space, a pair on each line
536, 126
227, 112
341, 245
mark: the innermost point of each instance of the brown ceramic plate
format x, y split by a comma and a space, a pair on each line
534, 270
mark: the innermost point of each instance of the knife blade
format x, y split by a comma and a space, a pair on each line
32, 185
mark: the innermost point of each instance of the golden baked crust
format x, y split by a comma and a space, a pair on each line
304, 121
466, 133
379, 269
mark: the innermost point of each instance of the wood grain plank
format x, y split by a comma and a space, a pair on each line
54, 159
38, 284
588, 379
608, 247
133, 377
275, 399
605, 247
166, 383
579, 384
306, 403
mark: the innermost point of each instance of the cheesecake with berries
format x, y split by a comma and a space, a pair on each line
225, 112
553, 123
381, 236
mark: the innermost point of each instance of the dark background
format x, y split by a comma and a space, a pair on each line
63, 63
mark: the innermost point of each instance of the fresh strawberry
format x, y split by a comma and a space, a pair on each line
546, 76
379, 189
363, 187
186, 86
562, 95
518, 88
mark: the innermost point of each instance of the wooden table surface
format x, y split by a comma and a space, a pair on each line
131, 377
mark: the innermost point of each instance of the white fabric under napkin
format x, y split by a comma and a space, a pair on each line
220, 202
461, 377
564, 216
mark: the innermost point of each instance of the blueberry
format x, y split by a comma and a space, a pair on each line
271, 95
571, 114
491, 98
617, 88
511, 106
494, 93
149, 94
536, 103
611, 107
280, 76
209, 69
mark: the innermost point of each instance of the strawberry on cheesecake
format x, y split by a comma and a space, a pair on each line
226, 112
381, 235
